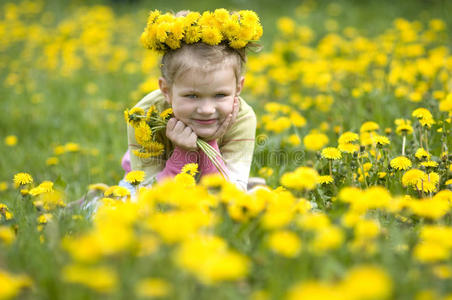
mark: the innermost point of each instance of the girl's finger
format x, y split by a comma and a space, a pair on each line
179, 127
187, 131
171, 123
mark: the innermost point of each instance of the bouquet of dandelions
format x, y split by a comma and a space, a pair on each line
147, 126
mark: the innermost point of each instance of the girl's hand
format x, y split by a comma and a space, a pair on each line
181, 135
227, 123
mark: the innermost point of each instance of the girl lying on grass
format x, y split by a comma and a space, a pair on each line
201, 80
202, 68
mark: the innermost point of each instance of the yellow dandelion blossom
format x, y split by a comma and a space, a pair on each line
294, 140
143, 133
446, 105
424, 116
328, 238
422, 113
22, 179
369, 126
401, 163
191, 169
98, 278
430, 252
348, 137
155, 148
427, 122
237, 44
152, 287
135, 177
303, 178
412, 177
11, 140
211, 35
421, 153
297, 119
185, 180
167, 112
380, 140
331, 153
193, 34
285, 243
52, 161
71, 147
429, 183
326, 179
403, 126
231, 28
12, 284
44, 187
315, 141
142, 153
429, 164
348, 148
367, 282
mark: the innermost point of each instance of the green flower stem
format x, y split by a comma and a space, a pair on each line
403, 144
213, 155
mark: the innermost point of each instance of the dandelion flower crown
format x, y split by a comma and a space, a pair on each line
166, 32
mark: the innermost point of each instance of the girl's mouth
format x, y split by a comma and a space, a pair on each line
206, 122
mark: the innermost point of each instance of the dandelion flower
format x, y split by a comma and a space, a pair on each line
11, 140
429, 164
348, 137
369, 126
51, 161
446, 105
167, 112
285, 243
326, 179
22, 179
331, 153
135, 177
152, 287
401, 163
422, 113
381, 140
315, 141
211, 35
421, 153
302, 178
412, 177
403, 126
348, 147
191, 169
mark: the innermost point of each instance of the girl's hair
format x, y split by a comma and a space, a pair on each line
200, 55
207, 57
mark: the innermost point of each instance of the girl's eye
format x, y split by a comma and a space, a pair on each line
220, 95
191, 96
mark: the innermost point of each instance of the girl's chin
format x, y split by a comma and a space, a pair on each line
205, 133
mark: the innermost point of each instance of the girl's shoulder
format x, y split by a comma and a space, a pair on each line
155, 98
245, 110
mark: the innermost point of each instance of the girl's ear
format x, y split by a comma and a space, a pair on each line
164, 87
240, 85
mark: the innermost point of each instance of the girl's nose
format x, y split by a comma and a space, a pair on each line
206, 107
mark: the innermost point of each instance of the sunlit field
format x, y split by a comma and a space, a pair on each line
354, 108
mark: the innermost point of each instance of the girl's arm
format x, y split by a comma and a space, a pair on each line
237, 145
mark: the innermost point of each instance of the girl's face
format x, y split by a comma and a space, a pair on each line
203, 100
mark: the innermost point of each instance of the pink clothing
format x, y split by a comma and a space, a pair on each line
179, 159
125, 162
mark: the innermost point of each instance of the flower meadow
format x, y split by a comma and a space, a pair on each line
353, 139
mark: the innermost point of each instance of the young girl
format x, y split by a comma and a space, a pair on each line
201, 80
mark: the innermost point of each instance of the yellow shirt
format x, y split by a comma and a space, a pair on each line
236, 146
